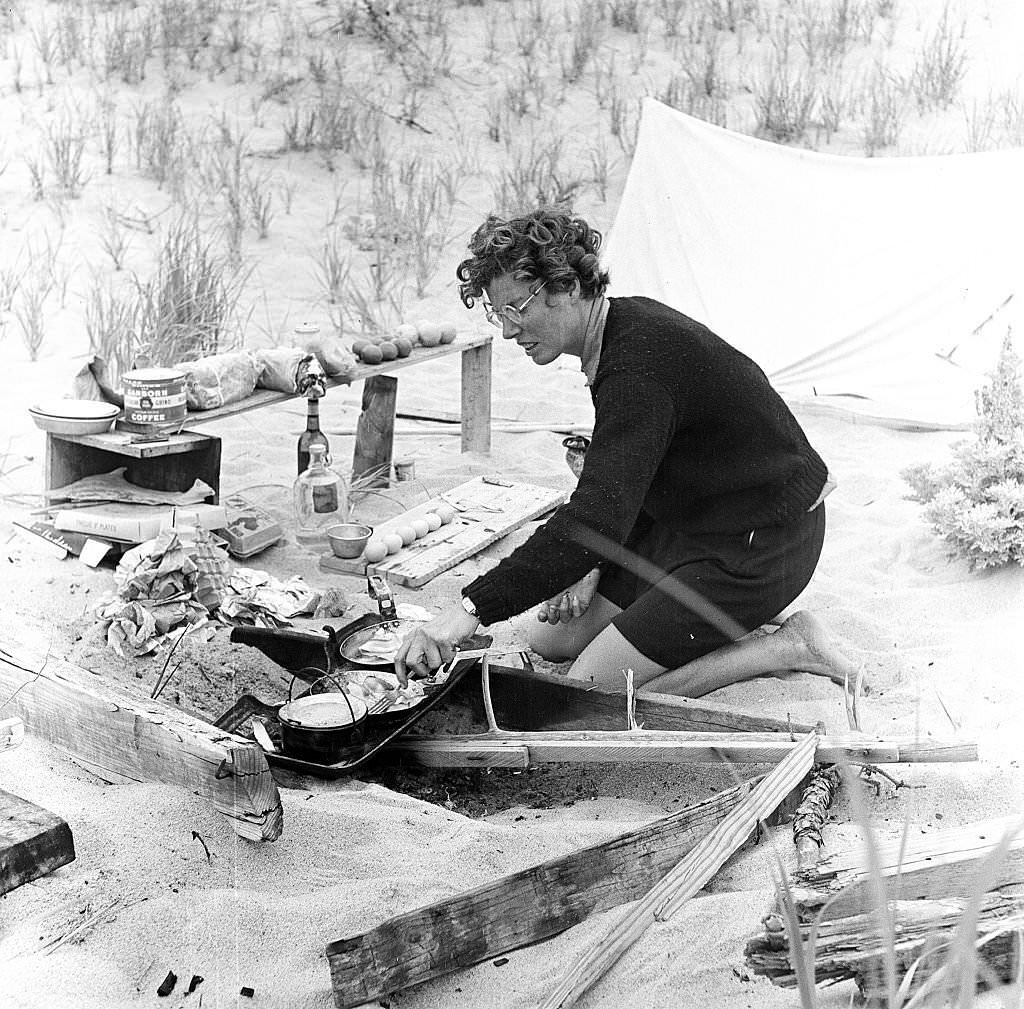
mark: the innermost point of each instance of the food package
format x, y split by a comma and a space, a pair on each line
279, 368
219, 379
335, 360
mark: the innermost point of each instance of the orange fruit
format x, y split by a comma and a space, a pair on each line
389, 350
447, 332
371, 354
404, 346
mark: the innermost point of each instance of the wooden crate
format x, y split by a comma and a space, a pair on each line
488, 508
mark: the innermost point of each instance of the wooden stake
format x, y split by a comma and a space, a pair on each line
682, 882
519, 909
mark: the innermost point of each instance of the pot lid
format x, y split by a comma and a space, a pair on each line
323, 711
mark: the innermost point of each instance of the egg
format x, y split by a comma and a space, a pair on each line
433, 520
420, 526
446, 513
375, 550
407, 533
393, 542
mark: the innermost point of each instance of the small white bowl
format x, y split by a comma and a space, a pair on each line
74, 416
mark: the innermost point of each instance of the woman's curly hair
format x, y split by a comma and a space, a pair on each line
548, 245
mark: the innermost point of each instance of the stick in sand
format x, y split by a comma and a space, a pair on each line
687, 878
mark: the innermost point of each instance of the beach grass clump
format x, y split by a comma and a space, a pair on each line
941, 64
189, 307
976, 501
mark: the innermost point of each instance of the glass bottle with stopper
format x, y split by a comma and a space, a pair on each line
321, 499
311, 382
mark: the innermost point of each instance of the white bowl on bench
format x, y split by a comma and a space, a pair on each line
74, 416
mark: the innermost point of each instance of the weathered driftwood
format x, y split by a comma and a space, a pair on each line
849, 948
33, 841
517, 910
519, 749
811, 813
945, 863
122, 739
685, 879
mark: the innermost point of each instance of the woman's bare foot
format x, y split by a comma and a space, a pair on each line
814, 651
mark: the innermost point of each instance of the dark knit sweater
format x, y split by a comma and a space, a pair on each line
688, 433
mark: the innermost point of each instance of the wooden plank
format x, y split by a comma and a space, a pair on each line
33, 841
646, 746
375, 431
121, 738
269, 397
706, 857
488, 512
517, 910
529, 700
944, 863
850, 948
476, 399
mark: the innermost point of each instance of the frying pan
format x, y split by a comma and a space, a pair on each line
351, 647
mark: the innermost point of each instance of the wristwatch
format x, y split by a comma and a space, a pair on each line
469, 607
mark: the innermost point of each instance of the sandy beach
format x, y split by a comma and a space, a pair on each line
144, 896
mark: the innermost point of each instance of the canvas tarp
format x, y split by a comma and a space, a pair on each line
881, 286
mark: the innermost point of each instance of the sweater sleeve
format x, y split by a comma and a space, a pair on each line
633, 427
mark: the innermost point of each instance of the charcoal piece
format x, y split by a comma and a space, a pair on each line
167, 985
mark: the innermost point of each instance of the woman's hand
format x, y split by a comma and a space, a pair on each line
432, 644
573, 602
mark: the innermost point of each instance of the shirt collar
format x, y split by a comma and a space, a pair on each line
592, 341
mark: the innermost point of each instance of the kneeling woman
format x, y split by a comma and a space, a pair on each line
699, 512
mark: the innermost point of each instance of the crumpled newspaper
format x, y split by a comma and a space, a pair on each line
175, 582
113, 486
256, 597
162, 584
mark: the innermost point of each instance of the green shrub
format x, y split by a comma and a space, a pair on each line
976, 502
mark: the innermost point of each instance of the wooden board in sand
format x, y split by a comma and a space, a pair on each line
488, 508
33, 841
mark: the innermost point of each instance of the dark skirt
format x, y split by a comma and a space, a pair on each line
751, 577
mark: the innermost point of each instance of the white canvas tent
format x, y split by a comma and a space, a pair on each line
878, 286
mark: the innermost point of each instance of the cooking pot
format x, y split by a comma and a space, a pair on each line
323, 728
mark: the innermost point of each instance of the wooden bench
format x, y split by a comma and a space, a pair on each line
173, 464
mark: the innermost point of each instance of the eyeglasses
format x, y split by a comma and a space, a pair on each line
514, 313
